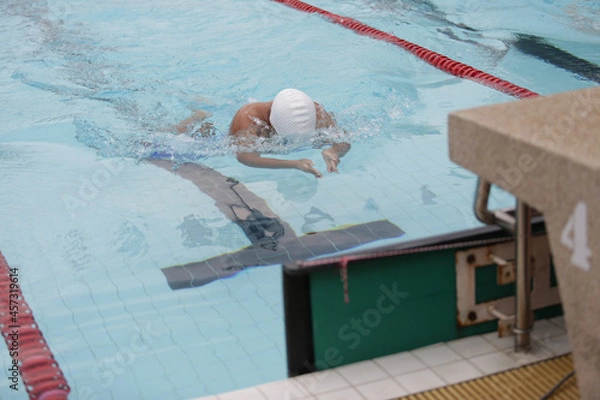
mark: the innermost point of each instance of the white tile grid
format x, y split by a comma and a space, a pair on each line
414, 371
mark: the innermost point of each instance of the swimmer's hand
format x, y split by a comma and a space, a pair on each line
254, 159
306, 165
332, 159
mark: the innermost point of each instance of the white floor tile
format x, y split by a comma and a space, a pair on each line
537, 353
437, 354
544, 329
322, 382
244, 394
401, 363
289, 389
382, 390
344, 394
420, 381
472, 346
500, 343
494, 362
362, 372
415, 371
558, 345
458, 372
559, 321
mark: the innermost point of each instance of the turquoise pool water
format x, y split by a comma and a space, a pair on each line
91, 224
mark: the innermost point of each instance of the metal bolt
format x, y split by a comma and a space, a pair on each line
471, 258
472, 316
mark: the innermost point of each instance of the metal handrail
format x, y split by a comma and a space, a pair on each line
521, 228
523, 321
483, 213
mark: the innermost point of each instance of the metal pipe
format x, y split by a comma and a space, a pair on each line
498, 314
483, 214
505, 221
481, 202
523, 320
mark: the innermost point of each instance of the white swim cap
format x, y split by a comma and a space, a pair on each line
293, 113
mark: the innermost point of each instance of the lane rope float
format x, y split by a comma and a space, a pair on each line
437, 60
31, 356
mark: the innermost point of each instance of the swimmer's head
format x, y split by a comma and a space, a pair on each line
293, 113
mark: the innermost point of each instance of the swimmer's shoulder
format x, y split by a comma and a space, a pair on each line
246, 116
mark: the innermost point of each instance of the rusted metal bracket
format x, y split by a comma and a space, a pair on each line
502, 255
506, 271
506, 323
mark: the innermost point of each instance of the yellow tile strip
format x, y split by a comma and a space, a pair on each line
525, 383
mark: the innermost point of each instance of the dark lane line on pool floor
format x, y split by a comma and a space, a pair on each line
540, 48
273, 240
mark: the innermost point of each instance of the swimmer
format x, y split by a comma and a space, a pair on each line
188, 125
290, 113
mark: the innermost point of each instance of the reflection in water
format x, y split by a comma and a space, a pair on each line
371, 204
130, 241
262, 231
76, 251
199, 231
296, 187
427, 195
196, 232
316, 220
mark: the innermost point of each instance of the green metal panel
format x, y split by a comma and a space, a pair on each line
396, 304
486, 288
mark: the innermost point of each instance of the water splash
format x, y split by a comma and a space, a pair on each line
130, 140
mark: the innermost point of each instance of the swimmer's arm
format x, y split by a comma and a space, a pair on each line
185, 125
333, 154
325, 119
255, 160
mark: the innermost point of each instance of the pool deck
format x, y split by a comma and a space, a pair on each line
415, 371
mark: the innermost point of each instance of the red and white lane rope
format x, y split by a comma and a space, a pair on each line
31, 355
437, 60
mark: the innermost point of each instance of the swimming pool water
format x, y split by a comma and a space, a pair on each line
90, 223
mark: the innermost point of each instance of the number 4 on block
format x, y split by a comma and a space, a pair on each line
574, 236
